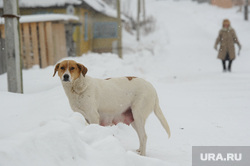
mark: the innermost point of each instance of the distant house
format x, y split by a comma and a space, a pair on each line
223, 3
98, 28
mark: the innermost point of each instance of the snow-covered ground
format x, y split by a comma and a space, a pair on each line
203, 105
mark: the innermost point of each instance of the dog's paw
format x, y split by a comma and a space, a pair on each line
138, 151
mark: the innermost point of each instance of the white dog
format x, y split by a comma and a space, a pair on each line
129, 100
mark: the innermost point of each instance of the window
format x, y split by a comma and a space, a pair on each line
105, 30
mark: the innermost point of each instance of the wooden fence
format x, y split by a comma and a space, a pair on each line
42, 43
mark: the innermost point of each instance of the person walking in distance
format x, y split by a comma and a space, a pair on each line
227, 37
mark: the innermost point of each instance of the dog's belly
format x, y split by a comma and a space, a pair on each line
126, 117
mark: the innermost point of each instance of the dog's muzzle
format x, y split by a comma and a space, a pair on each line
65, 77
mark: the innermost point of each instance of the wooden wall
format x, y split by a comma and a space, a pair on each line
222, 3
42, 43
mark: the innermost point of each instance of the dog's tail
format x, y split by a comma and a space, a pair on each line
160, 116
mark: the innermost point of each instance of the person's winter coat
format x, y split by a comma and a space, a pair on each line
227, 37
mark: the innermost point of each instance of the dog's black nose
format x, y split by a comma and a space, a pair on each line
65, 77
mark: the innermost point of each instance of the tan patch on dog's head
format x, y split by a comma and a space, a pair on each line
130, 78
72, 67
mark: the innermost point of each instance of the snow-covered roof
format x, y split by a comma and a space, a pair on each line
44, 18
97, 5
101, 7
44, 3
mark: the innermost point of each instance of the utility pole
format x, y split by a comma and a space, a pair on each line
119, 45
144, 10
12, 46
246, 10
138, 20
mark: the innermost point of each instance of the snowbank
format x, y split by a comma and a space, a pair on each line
67, 141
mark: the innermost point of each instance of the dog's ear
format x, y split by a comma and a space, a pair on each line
56, 69
82, 68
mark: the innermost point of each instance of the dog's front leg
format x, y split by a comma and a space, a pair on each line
92, 116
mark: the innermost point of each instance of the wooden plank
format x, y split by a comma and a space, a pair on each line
59, 38
3, 35
56, 36
34, 43
2, 31
42, 45
26, 46
62, 52
63, 43
21, 44
49, 42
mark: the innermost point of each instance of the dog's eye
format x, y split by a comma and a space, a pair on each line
72, 68
62, 68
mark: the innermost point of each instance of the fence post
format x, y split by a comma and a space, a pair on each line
138, 20
12, 46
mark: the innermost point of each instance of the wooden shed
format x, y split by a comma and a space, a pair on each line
228, 3
223, 4
43, 38
99, 24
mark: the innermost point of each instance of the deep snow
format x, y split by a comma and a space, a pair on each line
203, 105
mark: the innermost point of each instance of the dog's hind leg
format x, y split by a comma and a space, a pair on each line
141, 110
139, 126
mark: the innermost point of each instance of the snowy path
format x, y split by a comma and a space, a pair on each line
202, 105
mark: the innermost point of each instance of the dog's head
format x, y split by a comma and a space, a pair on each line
69, 70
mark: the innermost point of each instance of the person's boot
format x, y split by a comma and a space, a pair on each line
229, 65
224, 66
